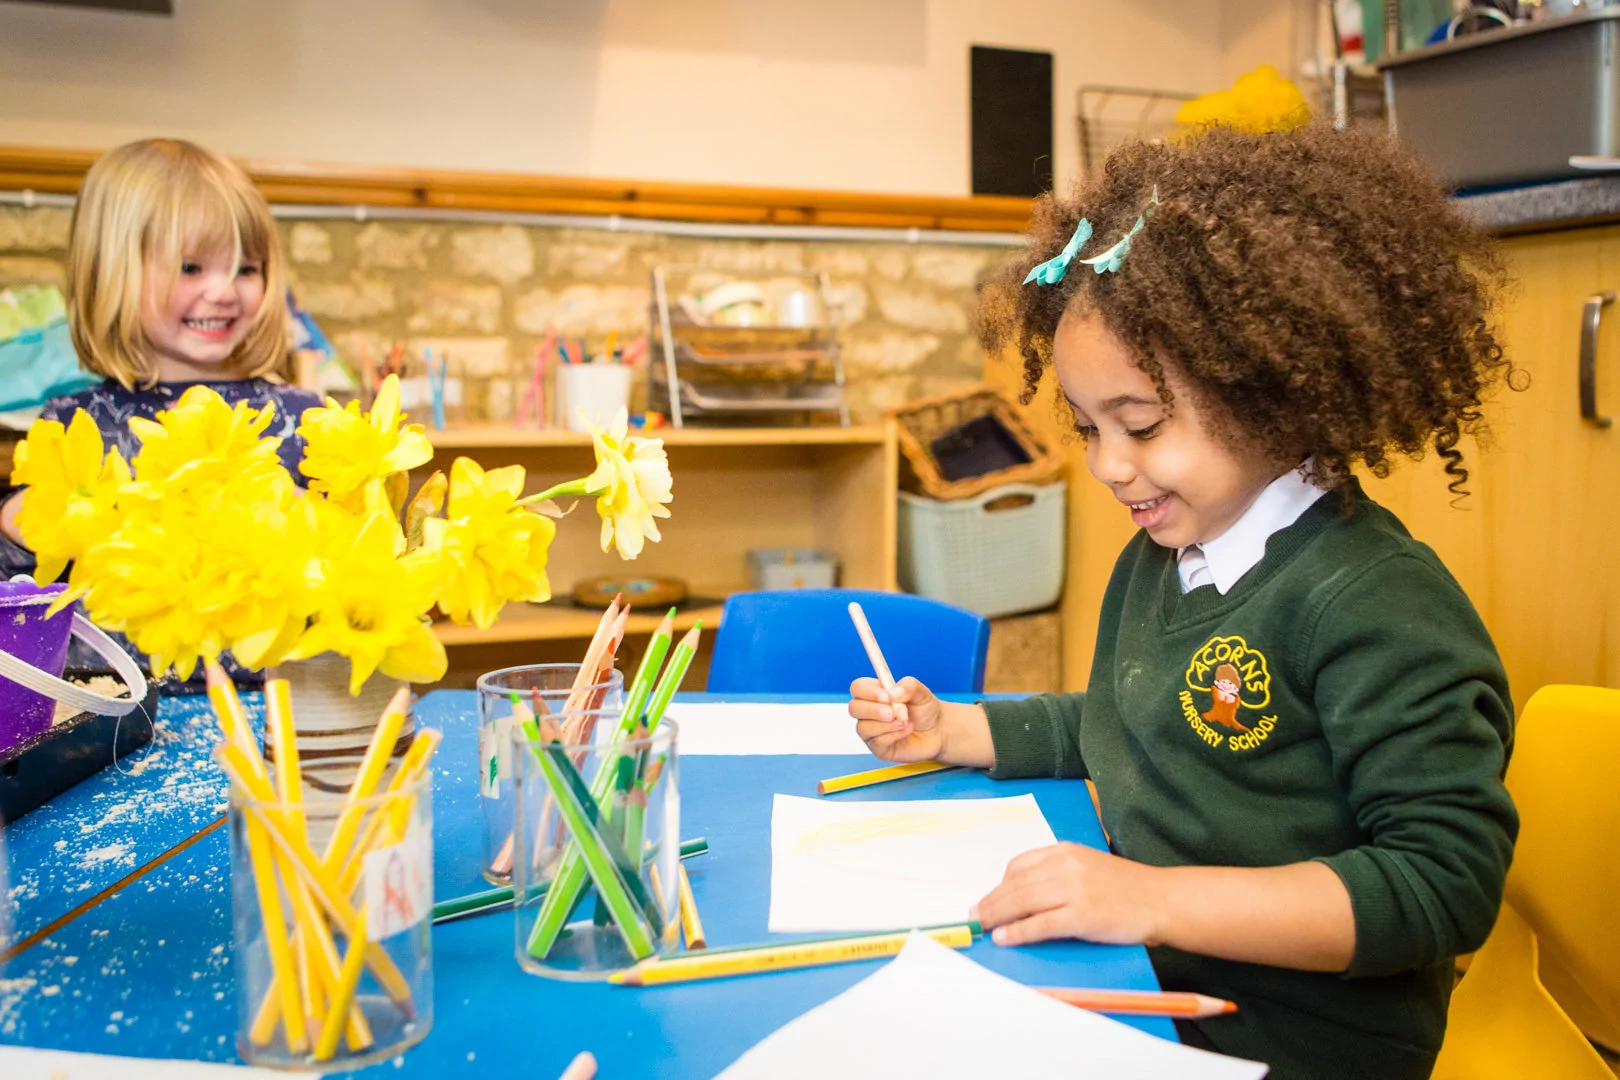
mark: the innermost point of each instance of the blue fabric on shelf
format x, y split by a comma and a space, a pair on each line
802, 641
151, 972
38, 364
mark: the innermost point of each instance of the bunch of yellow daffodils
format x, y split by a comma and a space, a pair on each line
203, 543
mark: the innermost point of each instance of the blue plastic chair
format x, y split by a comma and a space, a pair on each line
801, 641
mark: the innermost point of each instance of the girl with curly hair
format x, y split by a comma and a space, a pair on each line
1296, 723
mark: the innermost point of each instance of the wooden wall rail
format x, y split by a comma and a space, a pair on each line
51, 170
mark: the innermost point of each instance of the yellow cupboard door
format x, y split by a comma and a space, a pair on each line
1534, 544
1551, 479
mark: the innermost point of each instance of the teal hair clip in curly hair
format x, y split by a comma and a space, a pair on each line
1052, 270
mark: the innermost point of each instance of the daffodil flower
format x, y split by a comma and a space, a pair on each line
72, 491
372, 599
201, 440
631, 485
346, 449
494, 549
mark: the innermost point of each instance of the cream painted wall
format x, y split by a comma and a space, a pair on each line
841, 94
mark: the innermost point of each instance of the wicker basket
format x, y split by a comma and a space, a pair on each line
923, 421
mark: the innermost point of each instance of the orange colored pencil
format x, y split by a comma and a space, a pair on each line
1141, 1002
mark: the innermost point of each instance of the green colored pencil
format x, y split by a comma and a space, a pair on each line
679, 661
646, 674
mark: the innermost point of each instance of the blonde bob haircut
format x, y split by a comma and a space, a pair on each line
142, 209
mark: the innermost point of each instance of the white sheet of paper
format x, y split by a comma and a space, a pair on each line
26, 1063
745, 728
963, 1022
882, 865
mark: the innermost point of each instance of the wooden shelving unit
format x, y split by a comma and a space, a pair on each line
548, 622
736, 489
504, 437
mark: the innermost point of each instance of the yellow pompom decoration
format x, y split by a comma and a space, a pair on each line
1261, 100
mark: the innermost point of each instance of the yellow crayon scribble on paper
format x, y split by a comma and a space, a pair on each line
842, 834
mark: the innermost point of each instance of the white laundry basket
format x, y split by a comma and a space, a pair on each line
996, 553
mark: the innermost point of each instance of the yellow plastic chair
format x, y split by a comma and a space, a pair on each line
1561, 894
1503, 1025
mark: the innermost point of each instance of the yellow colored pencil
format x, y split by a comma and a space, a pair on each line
310, 987
880, 776
691, 924
278, 719
275, 936
718, 964
232, 716
343, 993
366, 780
396, 814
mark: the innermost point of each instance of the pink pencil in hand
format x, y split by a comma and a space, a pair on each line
873, 653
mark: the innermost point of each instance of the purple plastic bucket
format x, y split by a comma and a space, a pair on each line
29, 636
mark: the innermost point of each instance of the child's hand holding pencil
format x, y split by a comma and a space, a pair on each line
904, 722
899, 724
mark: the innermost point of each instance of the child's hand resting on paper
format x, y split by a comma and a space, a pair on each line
922, 728
1073, 891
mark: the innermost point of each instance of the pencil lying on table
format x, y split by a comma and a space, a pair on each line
1142, 1002
879, 776
480, 903
719, 963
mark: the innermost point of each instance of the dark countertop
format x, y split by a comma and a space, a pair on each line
1563, 204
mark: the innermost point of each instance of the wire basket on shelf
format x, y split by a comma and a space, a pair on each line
745, 348
1109, 115
923, 423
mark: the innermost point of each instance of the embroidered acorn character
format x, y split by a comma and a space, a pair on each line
1223, 710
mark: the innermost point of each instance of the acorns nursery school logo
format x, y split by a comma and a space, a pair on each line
1235, 677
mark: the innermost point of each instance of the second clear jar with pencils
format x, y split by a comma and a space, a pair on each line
547, 688
597, 845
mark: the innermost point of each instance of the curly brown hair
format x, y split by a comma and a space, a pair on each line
1315, 285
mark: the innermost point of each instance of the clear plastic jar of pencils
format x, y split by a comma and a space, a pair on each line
546, 689
598, 836
334, 961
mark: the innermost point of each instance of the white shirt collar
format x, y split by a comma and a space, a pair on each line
1237, 550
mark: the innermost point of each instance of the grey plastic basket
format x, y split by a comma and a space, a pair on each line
991, 561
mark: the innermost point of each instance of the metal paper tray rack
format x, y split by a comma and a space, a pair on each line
786, 374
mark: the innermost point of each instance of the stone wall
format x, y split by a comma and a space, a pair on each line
485, 294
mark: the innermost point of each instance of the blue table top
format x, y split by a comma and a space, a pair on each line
148, 972
96, 832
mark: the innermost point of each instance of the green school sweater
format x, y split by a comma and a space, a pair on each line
1341, 703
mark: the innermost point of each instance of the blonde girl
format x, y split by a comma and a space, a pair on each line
175, 277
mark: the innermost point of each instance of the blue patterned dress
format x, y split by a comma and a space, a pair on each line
111, 407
